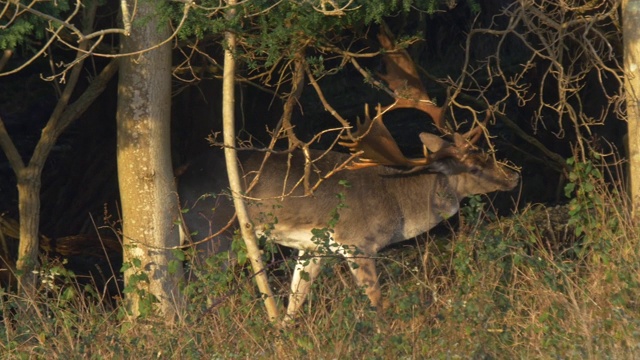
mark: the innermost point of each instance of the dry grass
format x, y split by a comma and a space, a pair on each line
506, 289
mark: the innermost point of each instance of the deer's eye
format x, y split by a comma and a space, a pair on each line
475, 170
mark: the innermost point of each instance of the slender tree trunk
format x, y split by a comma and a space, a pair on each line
631, 36
228, 119
145, 174
29, 185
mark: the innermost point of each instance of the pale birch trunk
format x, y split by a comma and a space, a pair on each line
228, 118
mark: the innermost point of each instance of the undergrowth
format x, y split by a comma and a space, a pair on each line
496, 288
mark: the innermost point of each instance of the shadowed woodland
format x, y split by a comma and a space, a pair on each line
548, 77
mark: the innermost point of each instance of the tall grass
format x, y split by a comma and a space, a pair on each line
543, 283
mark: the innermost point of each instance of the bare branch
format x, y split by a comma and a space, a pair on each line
126, 17
10, 150
335, 10
42, 50
326, 104
564, 47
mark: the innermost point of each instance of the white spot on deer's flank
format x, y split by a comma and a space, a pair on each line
633, 67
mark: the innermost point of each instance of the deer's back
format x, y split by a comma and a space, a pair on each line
375, 206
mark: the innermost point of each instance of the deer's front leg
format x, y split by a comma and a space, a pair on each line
306, 270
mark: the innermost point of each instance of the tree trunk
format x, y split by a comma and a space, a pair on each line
228, 119
29, 185
631, 36
145, 175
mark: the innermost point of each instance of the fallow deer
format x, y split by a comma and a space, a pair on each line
384, 205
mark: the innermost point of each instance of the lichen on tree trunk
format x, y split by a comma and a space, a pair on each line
145, 175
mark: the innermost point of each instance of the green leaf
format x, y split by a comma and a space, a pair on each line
242, 258
305, 276
179, 254
68, 294
174, 266
588, 187
568, 189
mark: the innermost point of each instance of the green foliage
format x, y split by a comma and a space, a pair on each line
175, 264
583, 179
591, 213
16, 34
136, 285
28, 27
323, 237
473, 210
272, 34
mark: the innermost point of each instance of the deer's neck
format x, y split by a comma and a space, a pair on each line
424, 201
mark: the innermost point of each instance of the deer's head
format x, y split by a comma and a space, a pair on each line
476, 172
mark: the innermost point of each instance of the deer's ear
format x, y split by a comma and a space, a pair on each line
442, 167
433, 142
459, 141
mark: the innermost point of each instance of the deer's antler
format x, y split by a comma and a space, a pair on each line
373, 140
403, 79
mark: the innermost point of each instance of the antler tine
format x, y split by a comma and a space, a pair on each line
472, 136
374, 141
362, 128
